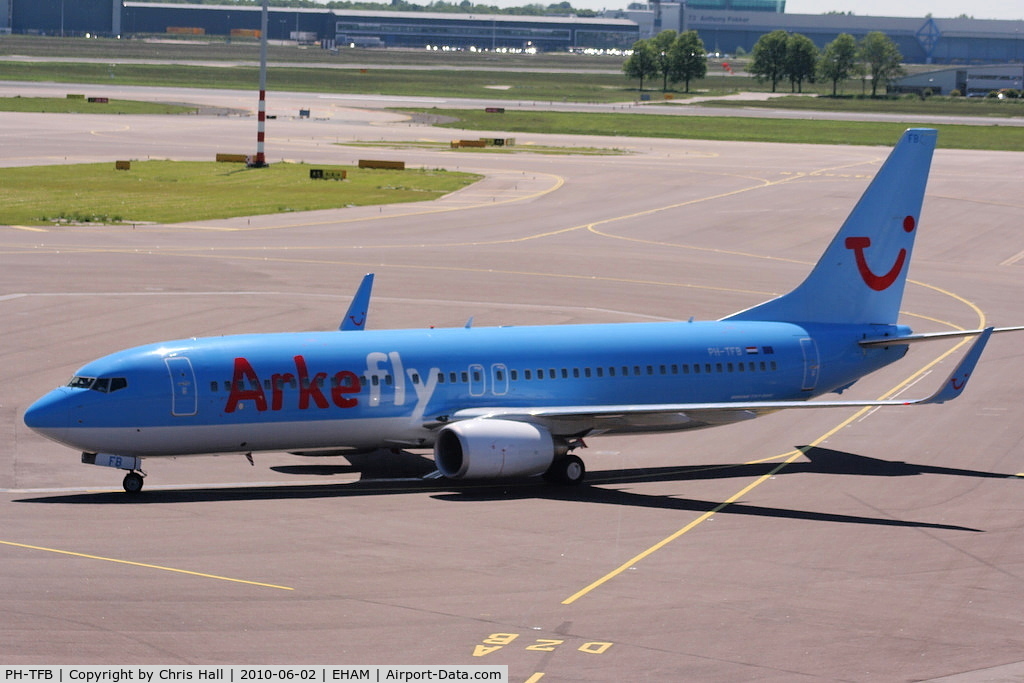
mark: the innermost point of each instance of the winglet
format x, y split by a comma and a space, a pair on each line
957, 380
355, 316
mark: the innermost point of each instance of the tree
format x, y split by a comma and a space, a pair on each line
882, 59
688, 58
769, 57
801, 60
641, 63
838, 59
660, 45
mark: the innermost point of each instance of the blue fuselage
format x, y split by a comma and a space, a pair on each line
390, 388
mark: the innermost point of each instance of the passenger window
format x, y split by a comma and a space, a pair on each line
600, 372
415, 377
214, 386
514, 374
565, 373
440, 378
527, 375
586, 372
452, 377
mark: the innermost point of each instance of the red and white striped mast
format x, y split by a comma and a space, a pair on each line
260, 160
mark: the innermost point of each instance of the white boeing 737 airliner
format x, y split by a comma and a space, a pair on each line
516, 401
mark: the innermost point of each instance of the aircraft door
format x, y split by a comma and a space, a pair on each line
184, 400
499, 379
477, 380
812, 365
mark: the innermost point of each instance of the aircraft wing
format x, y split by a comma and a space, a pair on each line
597, 419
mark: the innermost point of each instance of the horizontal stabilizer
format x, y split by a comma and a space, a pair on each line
932, 336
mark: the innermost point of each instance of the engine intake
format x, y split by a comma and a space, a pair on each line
484, 449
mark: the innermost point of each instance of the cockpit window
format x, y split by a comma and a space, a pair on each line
104, 385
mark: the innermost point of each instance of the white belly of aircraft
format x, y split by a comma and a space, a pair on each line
290, 436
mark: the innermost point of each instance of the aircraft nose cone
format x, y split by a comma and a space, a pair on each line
50, 415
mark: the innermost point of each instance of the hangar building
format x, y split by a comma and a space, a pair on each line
974, 80
920, 40
724, 26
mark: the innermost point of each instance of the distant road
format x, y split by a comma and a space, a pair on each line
236, 98
312, 65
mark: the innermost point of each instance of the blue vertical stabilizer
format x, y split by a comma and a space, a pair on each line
860, 277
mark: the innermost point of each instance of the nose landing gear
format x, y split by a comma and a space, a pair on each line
132, 481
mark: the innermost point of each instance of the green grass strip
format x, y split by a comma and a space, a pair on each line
179, 191
64, 105
505, 85
807, 131
907, 104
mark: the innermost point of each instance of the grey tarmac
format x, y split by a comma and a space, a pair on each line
875, 546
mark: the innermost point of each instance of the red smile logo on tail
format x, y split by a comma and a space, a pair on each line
878, 282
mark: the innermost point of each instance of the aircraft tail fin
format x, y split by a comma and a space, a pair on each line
861, 276
355, 316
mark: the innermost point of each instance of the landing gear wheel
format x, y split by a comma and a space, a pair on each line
567, 470
132, 482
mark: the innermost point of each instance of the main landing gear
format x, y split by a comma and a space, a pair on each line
567, 470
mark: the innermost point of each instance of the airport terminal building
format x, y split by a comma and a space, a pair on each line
724, 26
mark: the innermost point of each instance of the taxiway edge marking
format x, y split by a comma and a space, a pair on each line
793, 455
143, 564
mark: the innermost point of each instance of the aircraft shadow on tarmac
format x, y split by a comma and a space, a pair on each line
384, 473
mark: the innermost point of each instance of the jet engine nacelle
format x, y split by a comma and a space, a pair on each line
483, 449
